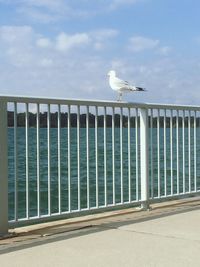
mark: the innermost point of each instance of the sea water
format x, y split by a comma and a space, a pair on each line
27, 178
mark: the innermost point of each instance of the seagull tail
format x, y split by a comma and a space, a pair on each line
140, 89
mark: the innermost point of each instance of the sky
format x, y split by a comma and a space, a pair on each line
65, 48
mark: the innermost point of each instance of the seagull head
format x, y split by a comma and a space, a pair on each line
112, 73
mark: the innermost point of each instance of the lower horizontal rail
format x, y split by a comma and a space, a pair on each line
74, 213
94, 210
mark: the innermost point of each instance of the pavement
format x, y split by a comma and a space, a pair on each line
168, 235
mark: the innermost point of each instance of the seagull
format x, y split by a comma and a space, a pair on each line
120, 85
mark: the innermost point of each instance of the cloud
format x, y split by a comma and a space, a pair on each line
65, 42
197, 40
16, 43
47, 11
165, 50
166, 79
102, 37
46, 62
44, 11
15, 34
140, 43
50, 11
104, 34
114, 4
37, 15
57, 66
38, 65
43, 42
49, 4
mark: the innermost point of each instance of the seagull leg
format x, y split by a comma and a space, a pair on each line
119, 97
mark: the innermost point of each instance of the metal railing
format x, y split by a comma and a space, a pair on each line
60, 157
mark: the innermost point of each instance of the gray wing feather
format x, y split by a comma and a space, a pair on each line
120, 82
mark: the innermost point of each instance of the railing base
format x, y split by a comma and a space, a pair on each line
144, 207
6, 235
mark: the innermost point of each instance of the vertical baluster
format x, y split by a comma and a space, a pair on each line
69, 156
165, 155
27, 160
49, 157
177, 150
183, 126
136, 151
15, 161
78, 157
129, 156
113, 152
144, 148
121, 153
59, 161
158, 150
96, 157
171, 149
189, 149
195, 153
105, 159
151, 146
88, 158
38, 159
4, 168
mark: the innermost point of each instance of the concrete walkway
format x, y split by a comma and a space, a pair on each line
166, 236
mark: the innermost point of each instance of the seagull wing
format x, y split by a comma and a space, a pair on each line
120, 83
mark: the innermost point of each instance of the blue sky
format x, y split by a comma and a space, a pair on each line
65, 48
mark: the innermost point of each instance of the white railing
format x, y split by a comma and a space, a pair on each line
60, 157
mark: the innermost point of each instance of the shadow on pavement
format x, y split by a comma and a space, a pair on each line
98, 225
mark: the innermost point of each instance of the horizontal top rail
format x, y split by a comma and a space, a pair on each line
101, 103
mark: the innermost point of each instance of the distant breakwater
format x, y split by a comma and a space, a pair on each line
32, 120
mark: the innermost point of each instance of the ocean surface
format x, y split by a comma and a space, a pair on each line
186, 166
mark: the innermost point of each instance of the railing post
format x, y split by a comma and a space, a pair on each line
144, 150
3, 169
